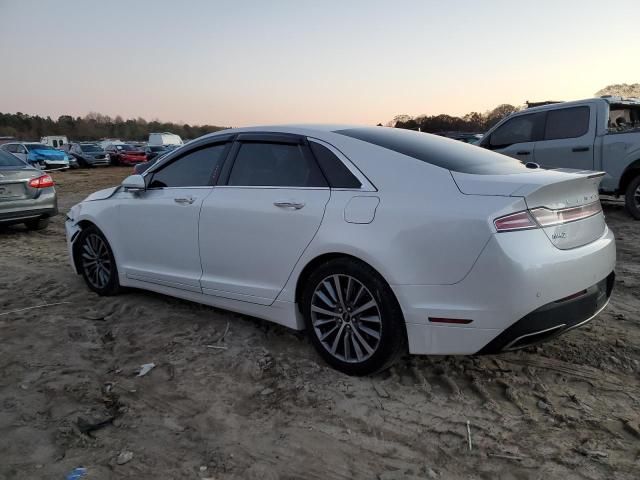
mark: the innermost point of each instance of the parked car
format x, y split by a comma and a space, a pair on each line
152, 151
143, 167
87, 154
27, 194
38, 155
164, 138
125, 154
594, 134
55, 141
371, 238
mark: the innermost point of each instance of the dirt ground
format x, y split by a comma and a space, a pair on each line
258, 403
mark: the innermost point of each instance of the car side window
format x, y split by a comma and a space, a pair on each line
336, 172
195, 169
263, 164
567, 123
21, 149
520, 129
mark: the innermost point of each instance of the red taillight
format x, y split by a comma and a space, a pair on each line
548, 218
545, 217
43, 181
515, 221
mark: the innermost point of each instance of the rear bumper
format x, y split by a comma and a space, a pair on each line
27, 214
518, 274
553, 319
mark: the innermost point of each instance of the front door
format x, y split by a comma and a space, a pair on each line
160, 225
255, 227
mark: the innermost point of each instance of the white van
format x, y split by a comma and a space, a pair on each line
55, 141
164, 138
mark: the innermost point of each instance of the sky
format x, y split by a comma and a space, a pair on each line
238, 63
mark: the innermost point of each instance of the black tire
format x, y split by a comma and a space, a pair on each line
632, 198
96, 262
37, 224
391, 331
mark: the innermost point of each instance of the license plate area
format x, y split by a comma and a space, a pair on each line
10, 191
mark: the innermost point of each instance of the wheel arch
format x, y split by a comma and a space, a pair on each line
315, 262
83, 224
629, 174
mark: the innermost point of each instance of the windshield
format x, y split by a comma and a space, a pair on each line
157, 149
38, 146
90, 147
623, 118
8, 160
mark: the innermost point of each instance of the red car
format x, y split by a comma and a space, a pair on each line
124, 154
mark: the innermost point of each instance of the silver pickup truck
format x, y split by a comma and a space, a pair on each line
594, 134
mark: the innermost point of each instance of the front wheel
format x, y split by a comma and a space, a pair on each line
632, 198
353, 318
97, 263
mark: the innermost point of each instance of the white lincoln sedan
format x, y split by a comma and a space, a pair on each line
372, 239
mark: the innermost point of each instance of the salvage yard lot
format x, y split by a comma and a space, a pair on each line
235, 397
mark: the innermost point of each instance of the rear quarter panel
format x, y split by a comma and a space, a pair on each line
425, 231
619, 150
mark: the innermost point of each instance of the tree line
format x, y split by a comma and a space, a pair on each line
93, 126
474, 122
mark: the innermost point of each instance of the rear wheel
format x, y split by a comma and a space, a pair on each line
97, 263
37, 224
632, 198
353, 318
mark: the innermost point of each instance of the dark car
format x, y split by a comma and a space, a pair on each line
125, 154
153, 151
27, 194
140, 168
87, 154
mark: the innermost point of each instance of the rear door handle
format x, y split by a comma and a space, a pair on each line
293, 205
523, 152
184, 200
580, 149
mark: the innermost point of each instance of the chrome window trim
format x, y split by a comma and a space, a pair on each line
366, 185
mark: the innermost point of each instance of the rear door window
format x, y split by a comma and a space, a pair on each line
567, 123
519, 129
195, 169
259, 164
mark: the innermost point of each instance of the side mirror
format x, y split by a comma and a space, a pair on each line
134, 183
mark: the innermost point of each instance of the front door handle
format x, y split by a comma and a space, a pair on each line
580, 149
293, 205
184, 200
523, 152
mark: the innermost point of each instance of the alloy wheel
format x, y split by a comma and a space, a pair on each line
636, 196
96, 261
346, 318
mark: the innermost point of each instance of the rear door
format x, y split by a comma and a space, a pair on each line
159, 226
256, 225
517, 136
568, 138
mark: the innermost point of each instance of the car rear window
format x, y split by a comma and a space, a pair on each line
442, 152
8, 160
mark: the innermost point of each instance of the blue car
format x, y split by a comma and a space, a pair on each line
38, 155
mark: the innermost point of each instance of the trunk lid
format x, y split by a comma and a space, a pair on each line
569, 196
14, 183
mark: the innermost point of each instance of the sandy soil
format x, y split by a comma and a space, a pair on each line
265, 407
